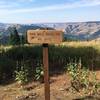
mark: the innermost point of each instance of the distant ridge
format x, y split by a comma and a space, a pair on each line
73, 30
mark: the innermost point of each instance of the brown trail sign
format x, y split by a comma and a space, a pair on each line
45, 37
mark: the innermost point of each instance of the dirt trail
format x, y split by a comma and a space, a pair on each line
58, 86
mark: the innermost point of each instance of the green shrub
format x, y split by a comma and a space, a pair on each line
21, 76
80, 79
79, 75
6, 69
58, 57
39, 74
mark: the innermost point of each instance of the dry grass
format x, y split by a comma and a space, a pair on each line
9, 92
82, 43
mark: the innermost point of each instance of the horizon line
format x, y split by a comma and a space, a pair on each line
51, 22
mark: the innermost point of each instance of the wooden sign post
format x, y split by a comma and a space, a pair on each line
45, 37
46, 71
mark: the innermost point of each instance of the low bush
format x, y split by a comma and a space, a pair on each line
39, 73
81, 79
21, 76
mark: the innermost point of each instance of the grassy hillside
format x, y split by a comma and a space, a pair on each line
12, 58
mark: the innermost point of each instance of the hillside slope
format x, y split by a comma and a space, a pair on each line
76, 30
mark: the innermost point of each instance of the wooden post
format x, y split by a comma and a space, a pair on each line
46, 71
45, 37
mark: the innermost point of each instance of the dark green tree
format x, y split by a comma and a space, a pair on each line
22, 39
14, 37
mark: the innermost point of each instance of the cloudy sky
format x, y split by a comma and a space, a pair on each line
38, 11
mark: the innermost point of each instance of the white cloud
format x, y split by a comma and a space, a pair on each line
5, 4
2, 1
15, 13
26, 0
76, 4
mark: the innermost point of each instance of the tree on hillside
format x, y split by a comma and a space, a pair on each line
22, 39
14, 37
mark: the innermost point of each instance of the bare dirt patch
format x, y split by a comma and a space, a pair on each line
59, 86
